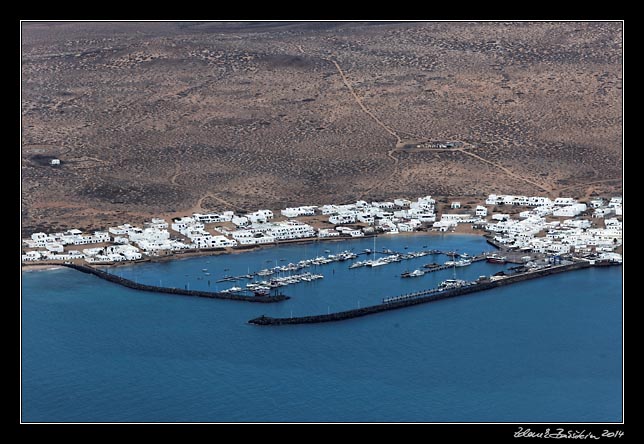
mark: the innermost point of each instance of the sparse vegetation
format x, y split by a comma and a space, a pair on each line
148, 117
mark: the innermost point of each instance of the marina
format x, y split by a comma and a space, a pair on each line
448, 289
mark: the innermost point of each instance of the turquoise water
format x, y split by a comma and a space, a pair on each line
547, 350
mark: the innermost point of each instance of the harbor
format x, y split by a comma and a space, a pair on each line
426, 296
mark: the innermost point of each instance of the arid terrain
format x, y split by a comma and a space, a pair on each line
167, 118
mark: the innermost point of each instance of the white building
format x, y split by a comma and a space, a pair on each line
327, 232
348, 231
299, 211
576, 223
444, 225
210, 218
615, 202
455, 205
260, 216
31, 256
291, 230
402, 202
156, 223
54, 247
343, 218
383, 204
603, 212
365, 218
569, 210
596, 203
240, 221
480, 211
252, 236
564, 201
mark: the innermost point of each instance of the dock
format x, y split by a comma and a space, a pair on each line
177, 291
422, 297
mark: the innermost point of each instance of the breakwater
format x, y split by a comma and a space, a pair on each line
424, 297
178, 291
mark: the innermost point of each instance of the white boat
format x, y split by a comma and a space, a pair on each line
376, 263
462, 263
416, 273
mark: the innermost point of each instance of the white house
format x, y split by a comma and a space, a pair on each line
252, 237
569, 210
240, 221
260, 216
54, 162
603, 212
31, 256
342, 218
455, 205
291, 230
480, 211
365, 218
156, 223
444, 225
326, 232
209, 218
402, 202
54, 247
500, 216
299, 211
615, 201
564, 201
576, 223
383, 204
596, 203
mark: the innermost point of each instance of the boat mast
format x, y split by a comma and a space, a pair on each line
374, 247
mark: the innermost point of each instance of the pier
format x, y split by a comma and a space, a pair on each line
421, 297
177, 291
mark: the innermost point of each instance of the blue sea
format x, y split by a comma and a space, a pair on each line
548, 350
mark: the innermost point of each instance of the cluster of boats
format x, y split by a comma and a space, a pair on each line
454, 283
389, 259
448, 284
458, 263
306, 263
263, 287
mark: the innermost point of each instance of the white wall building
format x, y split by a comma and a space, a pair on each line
299, 211
342, 218
260, 216
569, 210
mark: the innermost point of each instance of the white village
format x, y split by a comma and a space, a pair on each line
540, 225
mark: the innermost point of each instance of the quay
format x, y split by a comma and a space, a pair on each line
177, 291
422, 297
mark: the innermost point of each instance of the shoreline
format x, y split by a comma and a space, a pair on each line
189, 254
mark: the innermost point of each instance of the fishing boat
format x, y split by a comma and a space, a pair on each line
496, 259
415, 273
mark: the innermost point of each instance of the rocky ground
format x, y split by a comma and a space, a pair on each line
166, 118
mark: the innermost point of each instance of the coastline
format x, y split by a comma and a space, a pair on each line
188, 254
